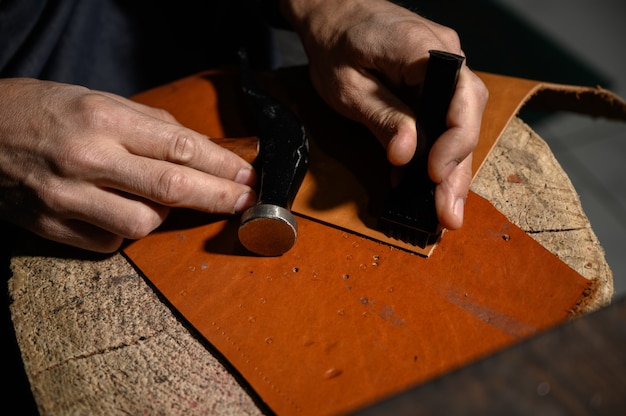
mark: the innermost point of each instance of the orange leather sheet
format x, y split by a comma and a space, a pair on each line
343, 320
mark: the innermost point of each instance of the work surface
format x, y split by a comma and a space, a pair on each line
97, 339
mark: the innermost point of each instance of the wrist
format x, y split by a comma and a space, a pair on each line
297, 11
317, 22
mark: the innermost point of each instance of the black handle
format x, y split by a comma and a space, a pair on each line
283, 146
410, 214
440, 82
269, 228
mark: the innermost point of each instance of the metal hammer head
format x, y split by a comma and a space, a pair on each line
269, 228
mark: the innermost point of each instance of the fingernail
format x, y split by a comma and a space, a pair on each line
459, 206
245, 201
246, 176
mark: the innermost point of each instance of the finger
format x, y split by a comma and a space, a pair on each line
121, 214
179, 186
170, 184
151, 137
182, 146
83, 235
70, 231
463, 121
450, 195
363, 98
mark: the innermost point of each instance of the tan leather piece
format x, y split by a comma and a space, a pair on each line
507, 95
342, 320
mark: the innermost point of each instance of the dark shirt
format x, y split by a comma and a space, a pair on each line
125, 46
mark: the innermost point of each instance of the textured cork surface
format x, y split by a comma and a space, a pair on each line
524, 181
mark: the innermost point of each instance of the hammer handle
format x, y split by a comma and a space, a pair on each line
245, 147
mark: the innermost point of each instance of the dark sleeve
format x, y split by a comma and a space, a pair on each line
129, 46
23, 50
270, 11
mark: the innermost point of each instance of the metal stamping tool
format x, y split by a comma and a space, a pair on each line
409, 214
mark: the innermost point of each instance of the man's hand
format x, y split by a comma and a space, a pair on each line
361, 54
89, 169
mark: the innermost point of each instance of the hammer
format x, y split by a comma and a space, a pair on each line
269, 228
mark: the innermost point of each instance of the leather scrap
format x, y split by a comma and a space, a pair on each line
343, 320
